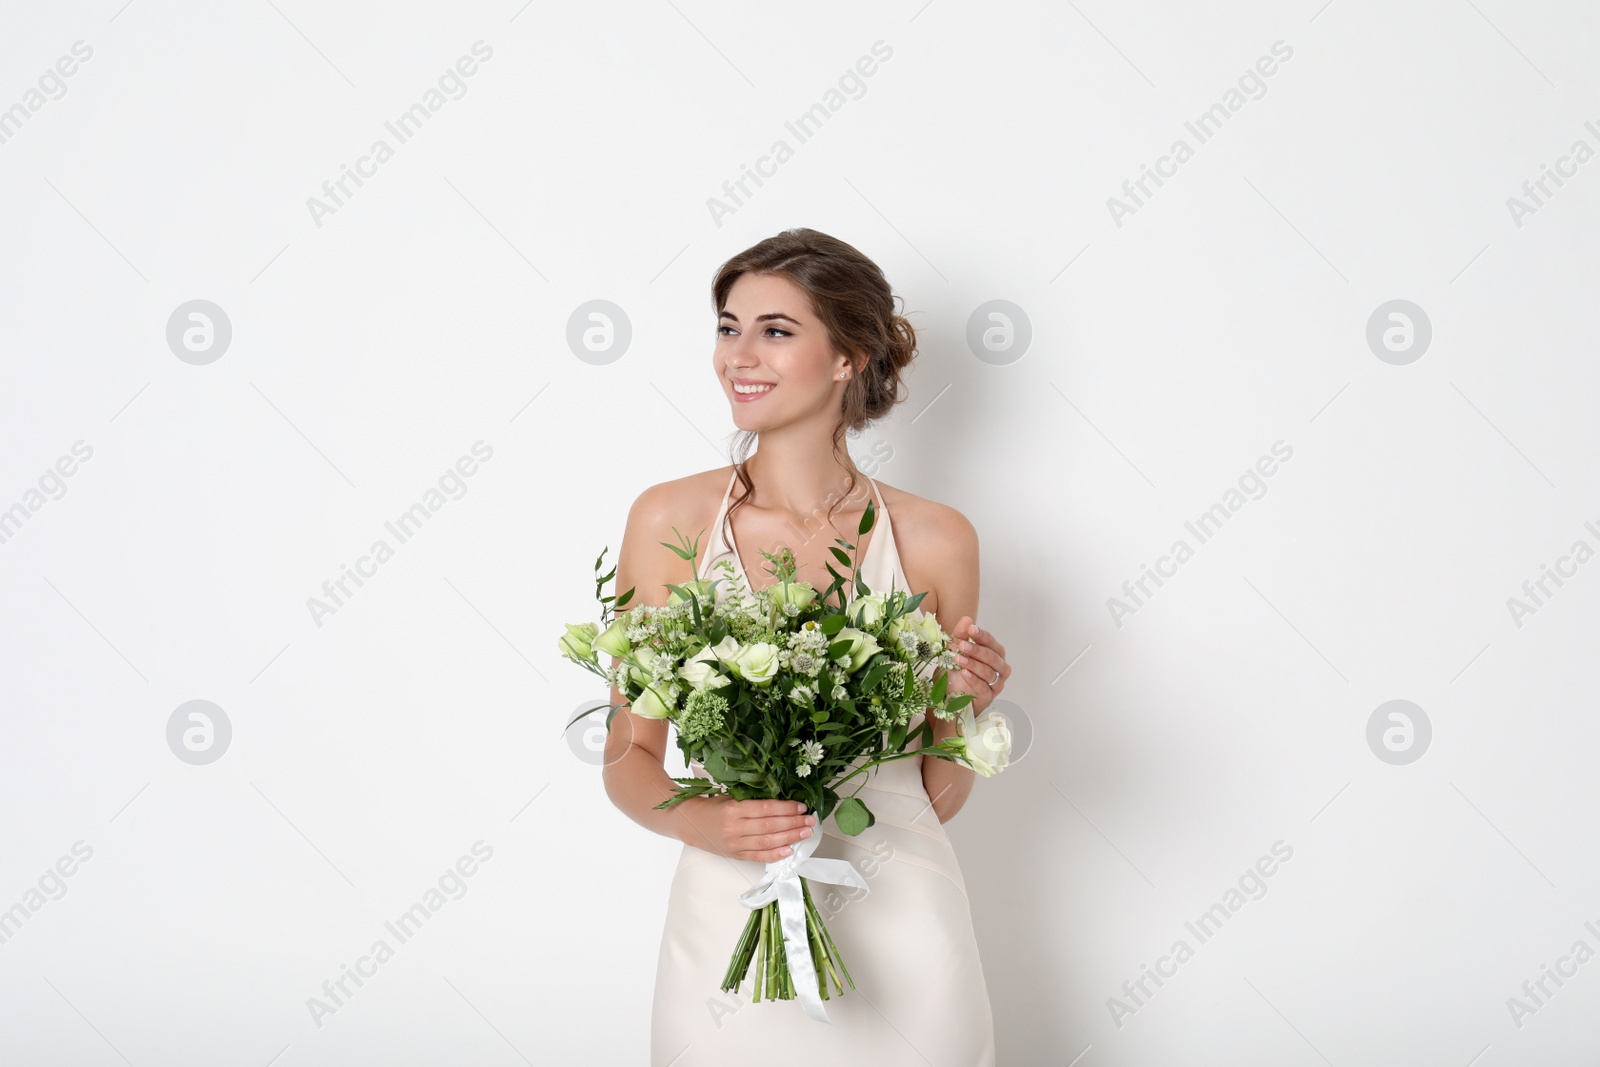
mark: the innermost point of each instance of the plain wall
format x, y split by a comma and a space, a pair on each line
1175, 336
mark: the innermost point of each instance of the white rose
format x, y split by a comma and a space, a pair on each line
863, 646
928, 628
578, 642
648, 705
923, 625
726, 650
646, 658
867, 610
700, 670
615, 640
985, 741
757, 662
800, 594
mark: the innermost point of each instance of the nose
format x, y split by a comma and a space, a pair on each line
741, 353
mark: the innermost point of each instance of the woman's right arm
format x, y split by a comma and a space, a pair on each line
635, 773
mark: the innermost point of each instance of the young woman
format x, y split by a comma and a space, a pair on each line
809, 347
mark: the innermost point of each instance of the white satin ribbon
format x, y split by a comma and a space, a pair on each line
781, 881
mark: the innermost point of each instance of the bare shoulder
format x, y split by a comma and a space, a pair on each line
667, 509
929, 535
681, 501
938, 549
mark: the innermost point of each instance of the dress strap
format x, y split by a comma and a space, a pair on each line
889, 572
717, 546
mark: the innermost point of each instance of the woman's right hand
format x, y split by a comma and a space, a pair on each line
756, 830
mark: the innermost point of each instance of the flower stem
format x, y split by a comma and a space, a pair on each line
739, 965
761, 943
820, 963
833, 954
761, 956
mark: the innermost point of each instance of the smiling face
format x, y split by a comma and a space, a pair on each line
771, 343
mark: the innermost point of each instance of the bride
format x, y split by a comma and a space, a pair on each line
809, 347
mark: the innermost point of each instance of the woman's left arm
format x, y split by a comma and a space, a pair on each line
981, 668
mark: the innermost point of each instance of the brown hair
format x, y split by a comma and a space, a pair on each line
856, 307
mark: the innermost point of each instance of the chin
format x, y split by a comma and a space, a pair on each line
746, 417
751, 423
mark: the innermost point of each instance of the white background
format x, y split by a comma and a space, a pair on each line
1171, 748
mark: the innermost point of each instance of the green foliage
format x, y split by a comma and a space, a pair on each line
875, 673
853, 816
756, 747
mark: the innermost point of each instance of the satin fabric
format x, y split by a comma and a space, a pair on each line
920, 999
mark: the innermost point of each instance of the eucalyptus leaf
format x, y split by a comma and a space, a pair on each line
853, 816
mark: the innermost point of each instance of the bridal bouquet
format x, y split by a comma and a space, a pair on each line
788, 693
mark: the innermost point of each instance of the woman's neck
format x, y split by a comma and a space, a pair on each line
800, 476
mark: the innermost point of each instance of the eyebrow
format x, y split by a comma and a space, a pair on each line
767, 317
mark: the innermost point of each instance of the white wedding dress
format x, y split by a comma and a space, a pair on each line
919, 1000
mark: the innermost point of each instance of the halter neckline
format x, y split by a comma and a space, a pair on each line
883, 530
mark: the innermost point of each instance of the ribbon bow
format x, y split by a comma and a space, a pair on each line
781, 882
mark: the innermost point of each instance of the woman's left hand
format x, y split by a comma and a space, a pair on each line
981, 667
